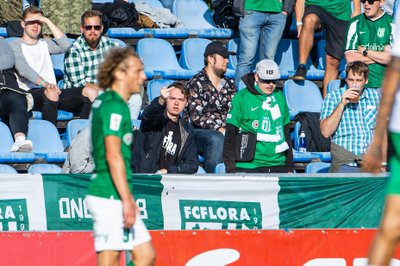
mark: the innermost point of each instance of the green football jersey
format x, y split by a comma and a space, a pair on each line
246, 113
110, 117
373, 35
263, 6
340, 9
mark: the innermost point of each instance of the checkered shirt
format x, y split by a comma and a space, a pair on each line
357, 124
82, 63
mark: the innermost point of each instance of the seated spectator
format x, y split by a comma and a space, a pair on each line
87, 53
348, 117
34, 66
164, 143
211, 93
13, 101
257, 138
80, 160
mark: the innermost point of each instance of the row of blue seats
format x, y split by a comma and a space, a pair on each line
311, 168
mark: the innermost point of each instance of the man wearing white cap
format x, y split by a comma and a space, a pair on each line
257, 138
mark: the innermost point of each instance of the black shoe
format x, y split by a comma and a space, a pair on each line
301, 73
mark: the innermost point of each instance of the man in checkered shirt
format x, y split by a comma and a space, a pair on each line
348, 117
87, 53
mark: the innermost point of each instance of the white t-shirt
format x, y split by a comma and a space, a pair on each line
394, 122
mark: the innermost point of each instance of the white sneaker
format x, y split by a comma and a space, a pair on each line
22, 145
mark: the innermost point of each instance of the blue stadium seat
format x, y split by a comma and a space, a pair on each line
233, 46
74, 127
61, 115
118, 41
159, 59
3, 32
220, 168
333, 85
287, 58
125, 33
136, 123
58, 62
317, 167
152, 3
6, 141
46, 141
301, 157
42, 168
302, 96
200, 170
168, 33
241, 85
7, 169
154, 86
198, 19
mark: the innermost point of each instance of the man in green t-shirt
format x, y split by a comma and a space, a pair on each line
257, 136
368, 40
117, 225
316, 15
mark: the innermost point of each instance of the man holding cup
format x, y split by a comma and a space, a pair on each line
348, 117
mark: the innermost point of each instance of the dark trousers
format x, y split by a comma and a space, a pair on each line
13, 111
70, 100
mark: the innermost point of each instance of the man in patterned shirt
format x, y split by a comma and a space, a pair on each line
87, 53
211, 93
368, 40
348, 116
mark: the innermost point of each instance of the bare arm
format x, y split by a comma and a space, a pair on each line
117, 170
356, 8
353, 55
380, 57
57, 32
373, 158
299, 12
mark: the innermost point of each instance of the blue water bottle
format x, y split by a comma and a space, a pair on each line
302, 142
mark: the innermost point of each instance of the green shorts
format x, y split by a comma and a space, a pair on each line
393, 186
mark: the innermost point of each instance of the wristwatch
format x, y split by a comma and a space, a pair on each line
365, 52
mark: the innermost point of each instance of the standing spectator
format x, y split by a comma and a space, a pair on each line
34, 66
87, 53
368, 40
211, 93
316, 15
257, 136
13, 101
348, 116
117, 224
164, 143
260, 29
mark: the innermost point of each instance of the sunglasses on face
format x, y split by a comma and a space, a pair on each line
90, 27
32, 22
371, 2
266, 81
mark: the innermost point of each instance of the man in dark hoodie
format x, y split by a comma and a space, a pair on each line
257, 138
164, 143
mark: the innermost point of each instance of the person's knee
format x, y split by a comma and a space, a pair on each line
216, 138
90, 93
144, 255
311, 21
332, 63
51, 95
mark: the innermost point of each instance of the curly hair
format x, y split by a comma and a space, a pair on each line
358, 67
114, 59
182, 88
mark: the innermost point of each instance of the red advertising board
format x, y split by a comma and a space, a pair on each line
216, 247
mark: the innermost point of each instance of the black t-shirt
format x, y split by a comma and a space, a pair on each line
171, 144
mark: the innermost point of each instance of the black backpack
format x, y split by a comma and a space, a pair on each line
223, 14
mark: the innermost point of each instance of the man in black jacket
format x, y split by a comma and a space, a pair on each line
164, 143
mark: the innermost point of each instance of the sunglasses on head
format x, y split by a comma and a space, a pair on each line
90, 27
268, 81
371, 2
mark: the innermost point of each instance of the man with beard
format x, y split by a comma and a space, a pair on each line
34, 67
211, 93
87, 53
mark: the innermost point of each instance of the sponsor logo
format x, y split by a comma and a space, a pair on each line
14, 215
224, 256
381, 32
255, 108
127, 138
255, 124
115, 121
204, 214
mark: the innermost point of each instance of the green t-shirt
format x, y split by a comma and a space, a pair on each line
110, 117
373, 35
263, 6
341, 9
246, 113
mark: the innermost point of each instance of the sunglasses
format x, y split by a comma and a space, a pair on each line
371, 2
32, 22
90, 27
267, 81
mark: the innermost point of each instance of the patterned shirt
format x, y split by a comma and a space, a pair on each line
357, 123
373, 35
208, 107
82, 63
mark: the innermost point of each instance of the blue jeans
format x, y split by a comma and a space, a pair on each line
209, 144
258, 30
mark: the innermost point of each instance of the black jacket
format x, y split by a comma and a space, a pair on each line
148, 142
232, 131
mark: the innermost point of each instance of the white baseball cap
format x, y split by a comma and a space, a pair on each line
267, 69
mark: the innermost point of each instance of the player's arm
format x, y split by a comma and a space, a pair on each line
116, 165
373, 158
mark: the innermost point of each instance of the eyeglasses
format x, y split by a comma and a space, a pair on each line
268, 81
32, 22
371, 2
90, 27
